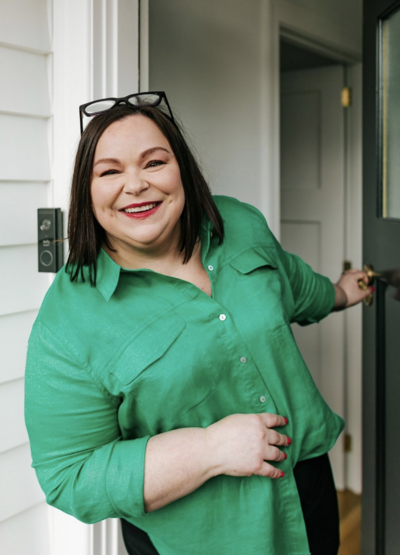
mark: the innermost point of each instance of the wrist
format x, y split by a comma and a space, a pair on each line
340, 297
212, 444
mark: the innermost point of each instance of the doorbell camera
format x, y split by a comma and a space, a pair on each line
50, 244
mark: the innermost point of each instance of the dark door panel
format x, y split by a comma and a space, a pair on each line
381, 239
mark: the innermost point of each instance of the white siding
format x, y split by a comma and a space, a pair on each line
23, 287
25, 110
24, 25
18, 485
12, 432
14, 334
24, 147
26, 91
26, 526
19, 202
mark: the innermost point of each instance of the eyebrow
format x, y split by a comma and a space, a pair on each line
107, 161
151, 150
143, 155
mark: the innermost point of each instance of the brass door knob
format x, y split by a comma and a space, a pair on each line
391, 277
362, 285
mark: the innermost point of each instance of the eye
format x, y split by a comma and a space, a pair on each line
154, 163
108, 172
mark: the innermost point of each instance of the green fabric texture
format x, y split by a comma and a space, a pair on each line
142, 353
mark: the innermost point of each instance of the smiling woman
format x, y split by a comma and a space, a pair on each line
106, 155
164, 386
141, 181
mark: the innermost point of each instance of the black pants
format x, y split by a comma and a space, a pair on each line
318, 501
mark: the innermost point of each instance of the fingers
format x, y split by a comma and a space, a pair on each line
355, 275
273, 420
275, 438
270, 471
274, 454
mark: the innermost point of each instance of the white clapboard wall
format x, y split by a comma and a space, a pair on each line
25, 185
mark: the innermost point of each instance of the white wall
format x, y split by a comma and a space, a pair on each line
25, 111
207, 57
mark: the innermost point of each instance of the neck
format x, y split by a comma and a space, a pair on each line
163, 259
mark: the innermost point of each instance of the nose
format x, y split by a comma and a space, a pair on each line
134, 184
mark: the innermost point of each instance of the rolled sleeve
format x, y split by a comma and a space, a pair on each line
125, 488
82, 465
313, 293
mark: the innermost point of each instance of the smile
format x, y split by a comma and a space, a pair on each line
140, 210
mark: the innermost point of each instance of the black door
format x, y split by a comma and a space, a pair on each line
381, 238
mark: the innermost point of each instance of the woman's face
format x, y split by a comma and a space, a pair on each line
136, 188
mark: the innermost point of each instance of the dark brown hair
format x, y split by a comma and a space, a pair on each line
85, 234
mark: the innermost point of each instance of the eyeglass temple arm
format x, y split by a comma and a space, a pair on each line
81, 120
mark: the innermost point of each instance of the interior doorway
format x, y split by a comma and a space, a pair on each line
314, 150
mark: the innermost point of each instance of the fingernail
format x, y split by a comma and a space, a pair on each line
285, 419
284, 455
282, 474
372, 289
289, 440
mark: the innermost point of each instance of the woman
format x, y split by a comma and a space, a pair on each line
163, 383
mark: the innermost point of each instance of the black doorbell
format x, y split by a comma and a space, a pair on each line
50, 244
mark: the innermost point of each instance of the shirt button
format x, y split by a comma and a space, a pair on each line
211, 268
262, 399
243, 359
222, 317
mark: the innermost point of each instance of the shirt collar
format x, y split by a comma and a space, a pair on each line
108, 271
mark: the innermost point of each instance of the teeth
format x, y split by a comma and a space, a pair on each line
141, 208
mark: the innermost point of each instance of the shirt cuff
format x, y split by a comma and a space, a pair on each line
125, 477
324, 300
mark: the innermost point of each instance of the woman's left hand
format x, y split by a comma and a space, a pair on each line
347, 290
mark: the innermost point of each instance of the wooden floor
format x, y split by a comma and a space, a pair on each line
350, 523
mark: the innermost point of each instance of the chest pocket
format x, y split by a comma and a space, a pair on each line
254, 258
262, 291
147, 347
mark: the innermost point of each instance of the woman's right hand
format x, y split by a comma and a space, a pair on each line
240, 445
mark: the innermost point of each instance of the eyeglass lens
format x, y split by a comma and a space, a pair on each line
139, 100
100, 106
145, 100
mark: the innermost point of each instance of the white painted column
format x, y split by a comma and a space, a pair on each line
96, 54
269, 115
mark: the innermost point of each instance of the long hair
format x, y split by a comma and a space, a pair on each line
85, 234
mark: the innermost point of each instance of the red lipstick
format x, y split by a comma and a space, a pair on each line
144, 213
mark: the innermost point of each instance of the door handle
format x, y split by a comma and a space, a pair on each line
391, 277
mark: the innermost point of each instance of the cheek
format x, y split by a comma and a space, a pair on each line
102, 197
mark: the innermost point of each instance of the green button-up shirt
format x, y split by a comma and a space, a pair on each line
143, 353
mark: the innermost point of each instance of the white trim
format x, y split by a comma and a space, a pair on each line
269, 116
143, 45
353, 252
96, 54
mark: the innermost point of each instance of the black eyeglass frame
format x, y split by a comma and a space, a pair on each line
125, 100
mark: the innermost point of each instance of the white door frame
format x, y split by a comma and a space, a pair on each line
98, 49
283, 18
